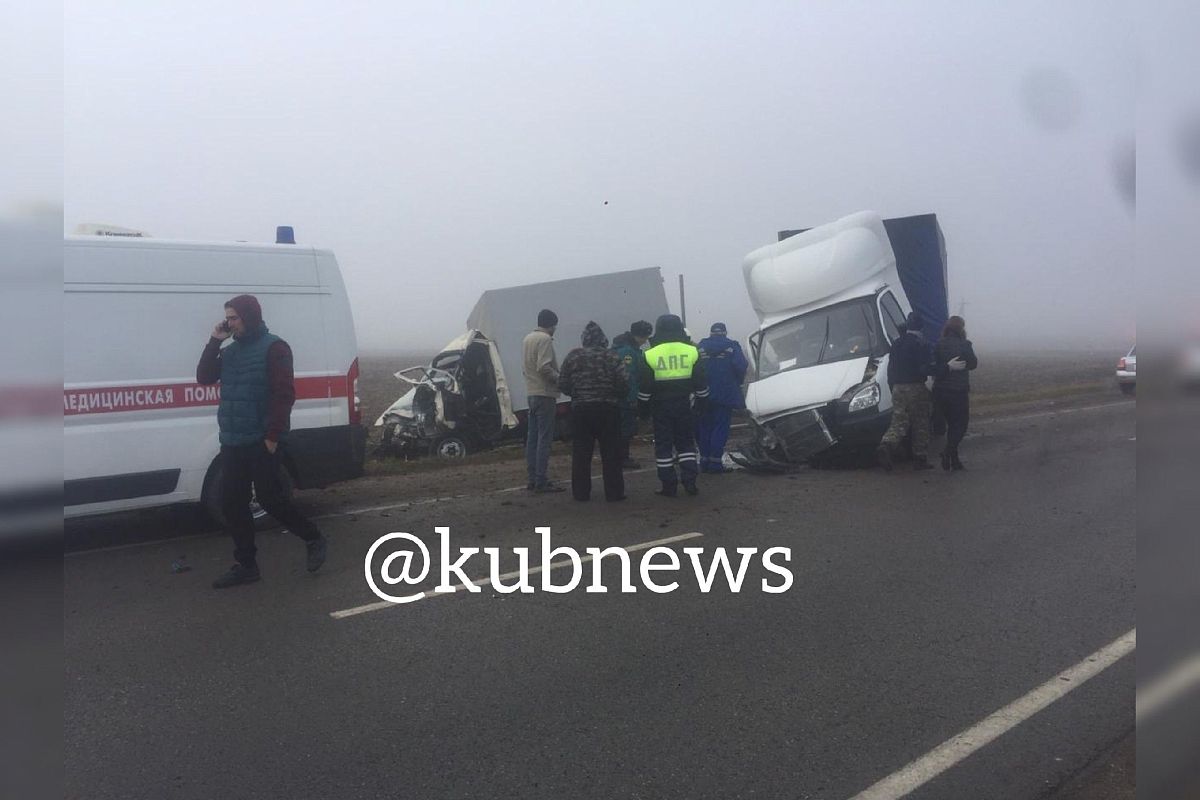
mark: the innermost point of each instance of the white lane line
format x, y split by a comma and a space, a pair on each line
1168, 688
1037, 414
430, 500
350, 612
954, 750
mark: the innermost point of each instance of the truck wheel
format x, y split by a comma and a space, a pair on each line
262, 520
449, 446
1128, 388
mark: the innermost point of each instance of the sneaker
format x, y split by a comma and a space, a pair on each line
548, 489
236, 576
883, 455
955, 464
666, 492
317, 550
692, 489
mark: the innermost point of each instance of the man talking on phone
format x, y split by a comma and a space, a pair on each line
257, 394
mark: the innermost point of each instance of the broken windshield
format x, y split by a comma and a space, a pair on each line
836, 333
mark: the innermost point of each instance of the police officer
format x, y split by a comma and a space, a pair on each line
669, 374
725, 367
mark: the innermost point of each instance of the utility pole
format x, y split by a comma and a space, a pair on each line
682, 302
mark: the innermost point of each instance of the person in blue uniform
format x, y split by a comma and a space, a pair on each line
725, 368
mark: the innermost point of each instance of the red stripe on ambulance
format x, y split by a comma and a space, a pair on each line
109, 399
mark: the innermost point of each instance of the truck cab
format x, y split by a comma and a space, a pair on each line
831, 301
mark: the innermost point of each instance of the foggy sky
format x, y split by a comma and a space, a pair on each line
443, 151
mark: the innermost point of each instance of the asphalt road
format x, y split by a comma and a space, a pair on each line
921, 604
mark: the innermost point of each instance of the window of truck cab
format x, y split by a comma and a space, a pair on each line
893, 315
840, 332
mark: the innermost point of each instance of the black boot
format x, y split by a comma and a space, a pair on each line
955, 464
946, 459
317, 550
921, 463
236, 576
883, 454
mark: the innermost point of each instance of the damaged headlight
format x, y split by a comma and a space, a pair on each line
865, 398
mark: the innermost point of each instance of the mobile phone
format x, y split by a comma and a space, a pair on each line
225, 326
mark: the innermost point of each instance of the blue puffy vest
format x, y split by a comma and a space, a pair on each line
245, 390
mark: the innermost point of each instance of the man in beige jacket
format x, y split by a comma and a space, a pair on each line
540, 367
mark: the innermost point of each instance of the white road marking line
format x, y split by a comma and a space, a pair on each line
954, 750
1170, 687
427, 501
1037, 414
350, 612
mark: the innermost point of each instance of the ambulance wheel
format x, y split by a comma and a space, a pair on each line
450, 446
212, 498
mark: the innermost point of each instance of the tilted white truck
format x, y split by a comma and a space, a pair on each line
830, 302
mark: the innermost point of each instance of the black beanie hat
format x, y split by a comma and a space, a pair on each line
669, 325
547, 318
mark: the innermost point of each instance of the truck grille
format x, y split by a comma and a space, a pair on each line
802, 435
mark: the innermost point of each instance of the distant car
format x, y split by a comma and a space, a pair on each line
1127, 371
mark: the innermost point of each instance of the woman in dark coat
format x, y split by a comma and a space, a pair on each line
953, 358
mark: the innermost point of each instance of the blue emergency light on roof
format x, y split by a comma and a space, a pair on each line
285, 235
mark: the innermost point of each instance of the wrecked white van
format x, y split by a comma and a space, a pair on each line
473, 392
830, 302
457, 405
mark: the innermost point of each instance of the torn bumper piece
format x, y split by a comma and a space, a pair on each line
784, 443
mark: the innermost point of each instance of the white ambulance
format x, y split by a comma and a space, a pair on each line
138, 430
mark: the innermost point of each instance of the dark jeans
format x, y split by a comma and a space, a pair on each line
592, 422
674, 438
540, 427
955, 406
252, 465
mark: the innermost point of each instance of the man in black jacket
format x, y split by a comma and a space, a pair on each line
597, 381
912, 405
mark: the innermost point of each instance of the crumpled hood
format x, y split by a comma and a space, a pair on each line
402, 407
801, 388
